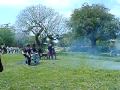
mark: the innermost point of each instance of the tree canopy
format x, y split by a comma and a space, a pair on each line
94, 22
7, 36
43, 22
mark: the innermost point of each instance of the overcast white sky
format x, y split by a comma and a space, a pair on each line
9, 9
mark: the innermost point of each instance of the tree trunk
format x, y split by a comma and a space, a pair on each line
92, 37
93, 43
39, 45
93, 46
37, 39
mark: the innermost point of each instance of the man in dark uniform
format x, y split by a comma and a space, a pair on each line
27, 54
50, 53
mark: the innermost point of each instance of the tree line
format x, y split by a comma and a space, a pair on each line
37, 24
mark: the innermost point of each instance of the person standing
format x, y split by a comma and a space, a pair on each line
1, 65
27, 53
50, 51
54, 52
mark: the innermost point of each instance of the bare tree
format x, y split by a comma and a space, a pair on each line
42, 22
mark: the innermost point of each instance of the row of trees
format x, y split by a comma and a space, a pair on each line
39, 23
9, 37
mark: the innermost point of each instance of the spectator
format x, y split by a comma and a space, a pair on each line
1, 66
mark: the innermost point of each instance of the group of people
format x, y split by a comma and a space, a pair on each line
32, 54
9, 50
13, 50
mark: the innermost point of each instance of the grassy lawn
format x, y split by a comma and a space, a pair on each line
69, 72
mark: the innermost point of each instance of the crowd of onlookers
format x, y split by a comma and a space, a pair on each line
13, 50
9, 50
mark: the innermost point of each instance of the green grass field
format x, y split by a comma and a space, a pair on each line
73, 71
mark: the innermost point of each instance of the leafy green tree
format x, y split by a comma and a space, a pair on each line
1, 41
7, 36
66, 40
94, 22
